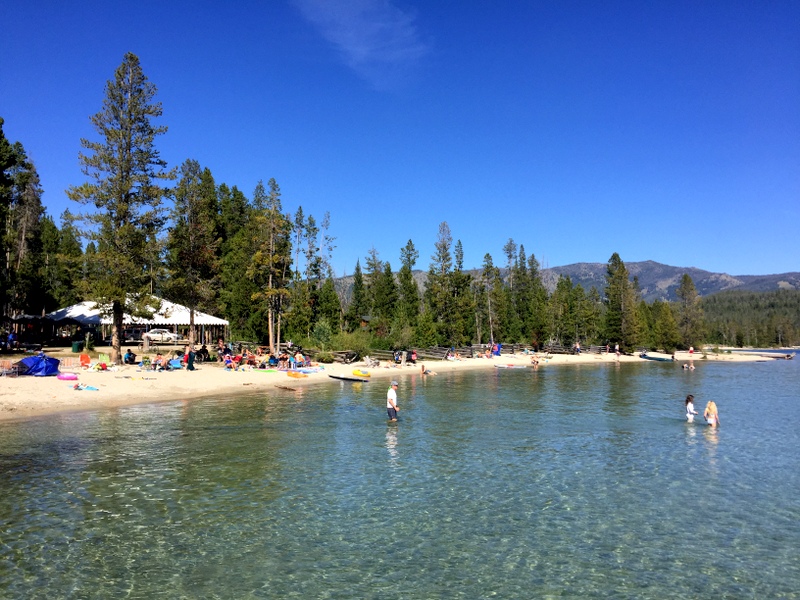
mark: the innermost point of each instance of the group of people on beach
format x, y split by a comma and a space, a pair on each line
710, 414
286, 360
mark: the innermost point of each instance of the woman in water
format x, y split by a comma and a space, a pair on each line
711, 414
690, 411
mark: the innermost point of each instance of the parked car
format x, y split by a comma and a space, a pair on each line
133, 334
161, 335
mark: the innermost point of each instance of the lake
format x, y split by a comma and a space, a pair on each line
566, 482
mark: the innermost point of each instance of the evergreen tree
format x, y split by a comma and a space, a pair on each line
522, 295
491, 284
191, 245
462, 323
438, 292
124, 169
690, 313
270, 260
385, 306
358, 304
538, 306
8, 162
621, 324
409, 291
26, 293
234, 212
561, 317
330, 308
666, 335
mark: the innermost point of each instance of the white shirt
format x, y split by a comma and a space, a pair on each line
391, 396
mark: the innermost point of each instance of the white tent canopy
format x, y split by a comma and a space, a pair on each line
89, 313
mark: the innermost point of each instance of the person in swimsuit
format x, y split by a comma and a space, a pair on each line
711, 414
690, 411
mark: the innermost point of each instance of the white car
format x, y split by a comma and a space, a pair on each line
161, 335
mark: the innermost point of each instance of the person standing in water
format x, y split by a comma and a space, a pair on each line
391, 402
711, 414
690, 411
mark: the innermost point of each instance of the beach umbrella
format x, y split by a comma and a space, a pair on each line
38, 366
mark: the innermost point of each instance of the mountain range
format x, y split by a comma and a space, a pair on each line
656, 281
659, 282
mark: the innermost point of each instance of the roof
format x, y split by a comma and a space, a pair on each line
170, 313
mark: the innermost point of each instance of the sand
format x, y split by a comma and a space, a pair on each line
27, 397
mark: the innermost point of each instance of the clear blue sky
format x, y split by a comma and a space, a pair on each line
659, 130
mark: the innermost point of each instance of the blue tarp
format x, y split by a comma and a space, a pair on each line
38, 366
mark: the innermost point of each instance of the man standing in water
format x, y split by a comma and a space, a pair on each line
391, 402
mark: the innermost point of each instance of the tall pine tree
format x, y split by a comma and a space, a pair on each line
124, 170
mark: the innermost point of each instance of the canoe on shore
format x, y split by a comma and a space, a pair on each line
656, 358
349, 378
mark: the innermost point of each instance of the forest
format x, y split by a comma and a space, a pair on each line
140, 228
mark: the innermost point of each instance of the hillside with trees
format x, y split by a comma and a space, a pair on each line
142, 228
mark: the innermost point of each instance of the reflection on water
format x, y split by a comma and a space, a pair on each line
391, 444
561, 482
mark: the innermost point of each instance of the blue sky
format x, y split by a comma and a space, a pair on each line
667, 131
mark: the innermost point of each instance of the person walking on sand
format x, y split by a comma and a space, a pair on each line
690, 411
711, 414
391, 402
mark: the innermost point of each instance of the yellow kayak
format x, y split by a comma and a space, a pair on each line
360, 373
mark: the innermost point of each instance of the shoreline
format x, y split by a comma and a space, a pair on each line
24, 397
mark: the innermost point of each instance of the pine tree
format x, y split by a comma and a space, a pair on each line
358, 303
124, 171
191, 245
538, 308
409, 291
690, 313
438, 292
269, 263
621, 324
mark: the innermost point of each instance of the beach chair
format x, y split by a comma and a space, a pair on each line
104, 358
69, 364
8, 369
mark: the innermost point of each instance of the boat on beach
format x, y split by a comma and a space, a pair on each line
656, 358
349, 378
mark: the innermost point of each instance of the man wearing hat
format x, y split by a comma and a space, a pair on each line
391, 402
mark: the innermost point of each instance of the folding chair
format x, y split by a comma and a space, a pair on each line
8, 369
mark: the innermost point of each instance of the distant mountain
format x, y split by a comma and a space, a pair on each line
656, 281
659, 282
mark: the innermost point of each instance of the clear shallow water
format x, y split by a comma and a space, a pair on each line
566, 482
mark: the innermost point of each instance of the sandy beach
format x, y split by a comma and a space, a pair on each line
26, 397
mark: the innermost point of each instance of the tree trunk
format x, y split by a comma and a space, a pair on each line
116, 332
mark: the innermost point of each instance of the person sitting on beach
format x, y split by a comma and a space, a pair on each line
283, 361
129, 358
160, 363
413, 359
227, 362
427, 371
